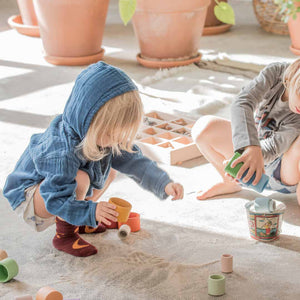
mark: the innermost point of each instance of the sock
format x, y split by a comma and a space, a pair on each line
68, 240
88, 229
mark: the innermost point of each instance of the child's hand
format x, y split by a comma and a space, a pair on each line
175, 190
253, 160
105, 212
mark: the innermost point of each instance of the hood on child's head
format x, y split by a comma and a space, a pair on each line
93, 87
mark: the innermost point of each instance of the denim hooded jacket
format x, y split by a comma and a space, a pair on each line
51, 157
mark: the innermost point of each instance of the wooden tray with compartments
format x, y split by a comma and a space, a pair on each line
167, 138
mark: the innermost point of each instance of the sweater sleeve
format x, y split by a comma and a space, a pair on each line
143, 171
244, 132
58, 190
280, 141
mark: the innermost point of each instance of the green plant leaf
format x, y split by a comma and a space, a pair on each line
224, 13
126, 10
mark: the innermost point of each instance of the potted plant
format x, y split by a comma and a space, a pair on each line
219, 18
25, 23
290, 10
168, 31
72, 30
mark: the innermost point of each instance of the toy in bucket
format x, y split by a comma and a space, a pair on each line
265, 225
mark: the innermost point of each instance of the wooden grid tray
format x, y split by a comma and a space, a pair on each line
167, 138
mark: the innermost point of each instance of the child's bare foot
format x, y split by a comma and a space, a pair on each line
219, 189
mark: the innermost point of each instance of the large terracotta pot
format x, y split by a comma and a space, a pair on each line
169, 31
294, 30
72, 30
27, 12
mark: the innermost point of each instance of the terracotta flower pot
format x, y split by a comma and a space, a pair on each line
25, 23
72, 30
294, 30
212, 24
27, 12
169, 31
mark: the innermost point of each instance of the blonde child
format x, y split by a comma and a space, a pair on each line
264, 127
72, 161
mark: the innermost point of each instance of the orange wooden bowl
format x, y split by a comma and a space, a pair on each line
122, 207
133, 222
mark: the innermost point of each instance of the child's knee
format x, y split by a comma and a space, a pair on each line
203, 128
295, 149
83, 184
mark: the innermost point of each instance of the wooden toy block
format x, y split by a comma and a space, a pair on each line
181, 122
216, 285
25, 297
227, 263
3, 254
48, 293
167, 138
124, 231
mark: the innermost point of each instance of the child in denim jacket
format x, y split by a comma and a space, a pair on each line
65, 170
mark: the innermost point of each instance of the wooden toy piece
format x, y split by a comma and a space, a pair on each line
165, 126
166, 145
48, 293
168, 135
183, 140
227, 263
133, 222
151, 140
8, 269
264, 205
124, 231
3, 254
150, 131
123, 208
259, 187
25, 297
216, 285
181, 122
154, 115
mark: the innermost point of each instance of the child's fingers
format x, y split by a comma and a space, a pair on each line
257, 177
110, 211
104, 221
249, 174
242, 170
237, 161
109, 216
107, 204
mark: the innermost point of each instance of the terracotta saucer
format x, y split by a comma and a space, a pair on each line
74, 61
295, 50
157, 64
211, 30
16, 23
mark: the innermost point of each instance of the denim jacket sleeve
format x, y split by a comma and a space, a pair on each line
58, 190
143, 171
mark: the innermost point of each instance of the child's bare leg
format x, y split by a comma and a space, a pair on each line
214, 139
83, 183
290, 167
98, 193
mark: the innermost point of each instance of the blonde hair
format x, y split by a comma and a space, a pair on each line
119, 118
291, 76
